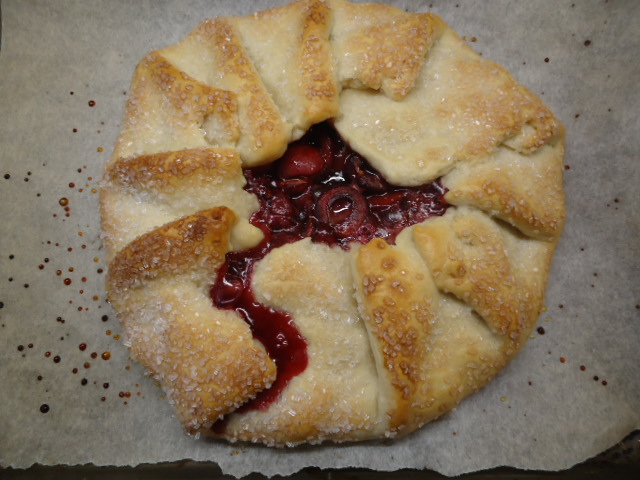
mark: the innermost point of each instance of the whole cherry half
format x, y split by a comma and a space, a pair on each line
300, 160
343, 208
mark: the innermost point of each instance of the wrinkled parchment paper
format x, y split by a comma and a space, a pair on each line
65, 67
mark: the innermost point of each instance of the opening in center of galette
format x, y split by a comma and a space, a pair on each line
320, 189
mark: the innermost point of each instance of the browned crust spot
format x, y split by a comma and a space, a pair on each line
164, 171
317, 74
398, 309
196, 242
191, 98
394, 52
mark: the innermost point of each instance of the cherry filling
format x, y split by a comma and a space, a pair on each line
320, 189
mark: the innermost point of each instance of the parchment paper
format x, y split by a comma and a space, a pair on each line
572, 393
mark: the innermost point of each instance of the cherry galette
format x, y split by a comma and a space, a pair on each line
328, 221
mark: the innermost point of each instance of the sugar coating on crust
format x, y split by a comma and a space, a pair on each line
431, 349
301, 78
525, 191
380, 47
206, 359
461, 108
169, 110
141, 193
214, 55
397, 334
197, 242
397, 299
471, 257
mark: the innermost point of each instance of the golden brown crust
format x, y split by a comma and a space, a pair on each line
431, 350
461, 109
161, 91
469, 257
206, 374
210, 375
397, 334
196, 242
264, 132
381, 47
524, 190
164, 171
301, 78
144, 192
194, 100
318, 79
501, 109
397, 300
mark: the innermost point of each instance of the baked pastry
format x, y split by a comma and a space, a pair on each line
328, 221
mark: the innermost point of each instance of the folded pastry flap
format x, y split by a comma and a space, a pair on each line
458, 353
195, 244
463, 356
381, 47
336, 395
397, 300
138, 194
167, 110
461, 108
493, 268
301, 77
165, 171
206, 359
214, 54
523, 190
